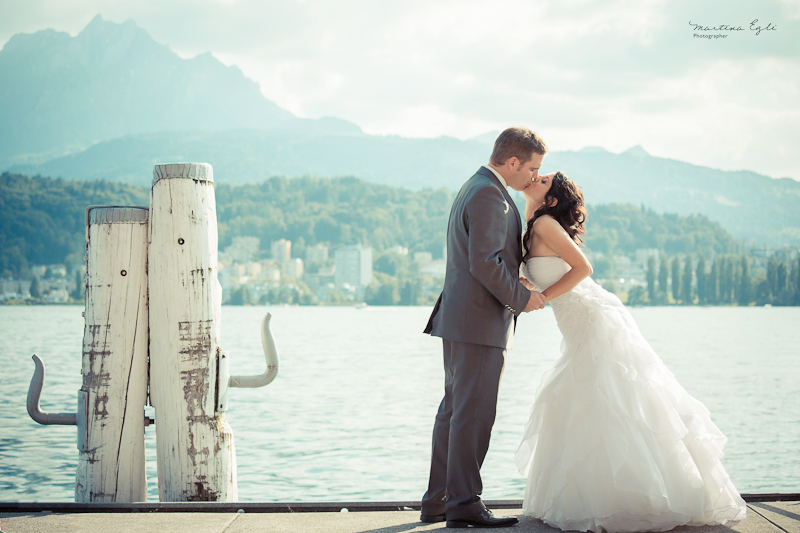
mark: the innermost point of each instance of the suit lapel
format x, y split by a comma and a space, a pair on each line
513, 206
518, 222
516, 211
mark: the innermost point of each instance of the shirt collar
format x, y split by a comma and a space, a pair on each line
502, 180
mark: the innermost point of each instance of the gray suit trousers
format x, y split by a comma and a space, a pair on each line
463, 428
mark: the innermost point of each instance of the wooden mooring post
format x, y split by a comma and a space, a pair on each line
195, 448
110, 417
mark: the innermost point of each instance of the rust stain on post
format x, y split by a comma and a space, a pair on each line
195, 391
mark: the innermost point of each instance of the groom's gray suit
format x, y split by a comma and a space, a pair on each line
475, 317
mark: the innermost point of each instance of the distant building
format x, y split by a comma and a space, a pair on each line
270, 271
321, 282
254, 269
435, 268
57, 271
281, 250
56, 296
242, 249
317, 253
239, 270
423, 258
292, 268
397, 249
353, 266
13, 289
57, 284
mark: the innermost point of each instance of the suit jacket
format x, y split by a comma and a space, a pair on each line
482, 295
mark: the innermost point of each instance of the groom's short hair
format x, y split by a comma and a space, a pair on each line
517, 142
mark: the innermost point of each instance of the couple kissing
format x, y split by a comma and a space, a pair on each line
613, 443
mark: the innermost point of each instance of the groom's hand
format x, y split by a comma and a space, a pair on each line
536, 301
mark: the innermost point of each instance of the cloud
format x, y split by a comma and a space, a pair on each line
613, 73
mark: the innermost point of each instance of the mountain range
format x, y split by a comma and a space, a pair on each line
111, 102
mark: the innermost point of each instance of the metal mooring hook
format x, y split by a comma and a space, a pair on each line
35, 394
225, 380
270, 354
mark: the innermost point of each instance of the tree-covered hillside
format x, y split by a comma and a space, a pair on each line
624, 228
335, 211
42, 219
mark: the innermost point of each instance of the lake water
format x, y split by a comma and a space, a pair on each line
350, 414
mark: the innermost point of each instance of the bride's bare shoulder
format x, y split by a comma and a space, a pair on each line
545, 223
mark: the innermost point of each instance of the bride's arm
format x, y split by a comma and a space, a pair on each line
554, 237
528, 284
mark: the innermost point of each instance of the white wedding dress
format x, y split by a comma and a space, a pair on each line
614, 442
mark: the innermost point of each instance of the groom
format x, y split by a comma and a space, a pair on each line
475, 317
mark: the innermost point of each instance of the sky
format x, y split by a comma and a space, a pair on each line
690, 80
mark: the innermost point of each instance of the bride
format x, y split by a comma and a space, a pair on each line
613, 442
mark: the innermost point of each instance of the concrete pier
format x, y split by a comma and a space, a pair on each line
762, 517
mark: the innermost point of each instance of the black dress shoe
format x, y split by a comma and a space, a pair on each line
483, 519
430, 518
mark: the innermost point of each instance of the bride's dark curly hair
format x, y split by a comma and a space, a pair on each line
569, 209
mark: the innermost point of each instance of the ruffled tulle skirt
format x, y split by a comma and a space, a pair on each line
614, 442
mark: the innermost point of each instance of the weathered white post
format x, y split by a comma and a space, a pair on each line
110, 418
196, 456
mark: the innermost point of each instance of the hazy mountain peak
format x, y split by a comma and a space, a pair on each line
41, 39
99, 25
205, 56
636, 151
100, 30
113, 80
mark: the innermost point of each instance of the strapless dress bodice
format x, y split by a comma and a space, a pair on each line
576, 307
543, 271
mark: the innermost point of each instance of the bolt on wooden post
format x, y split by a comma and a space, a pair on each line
111, 463
195, 448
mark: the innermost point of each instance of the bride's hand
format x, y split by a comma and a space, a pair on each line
528, 284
